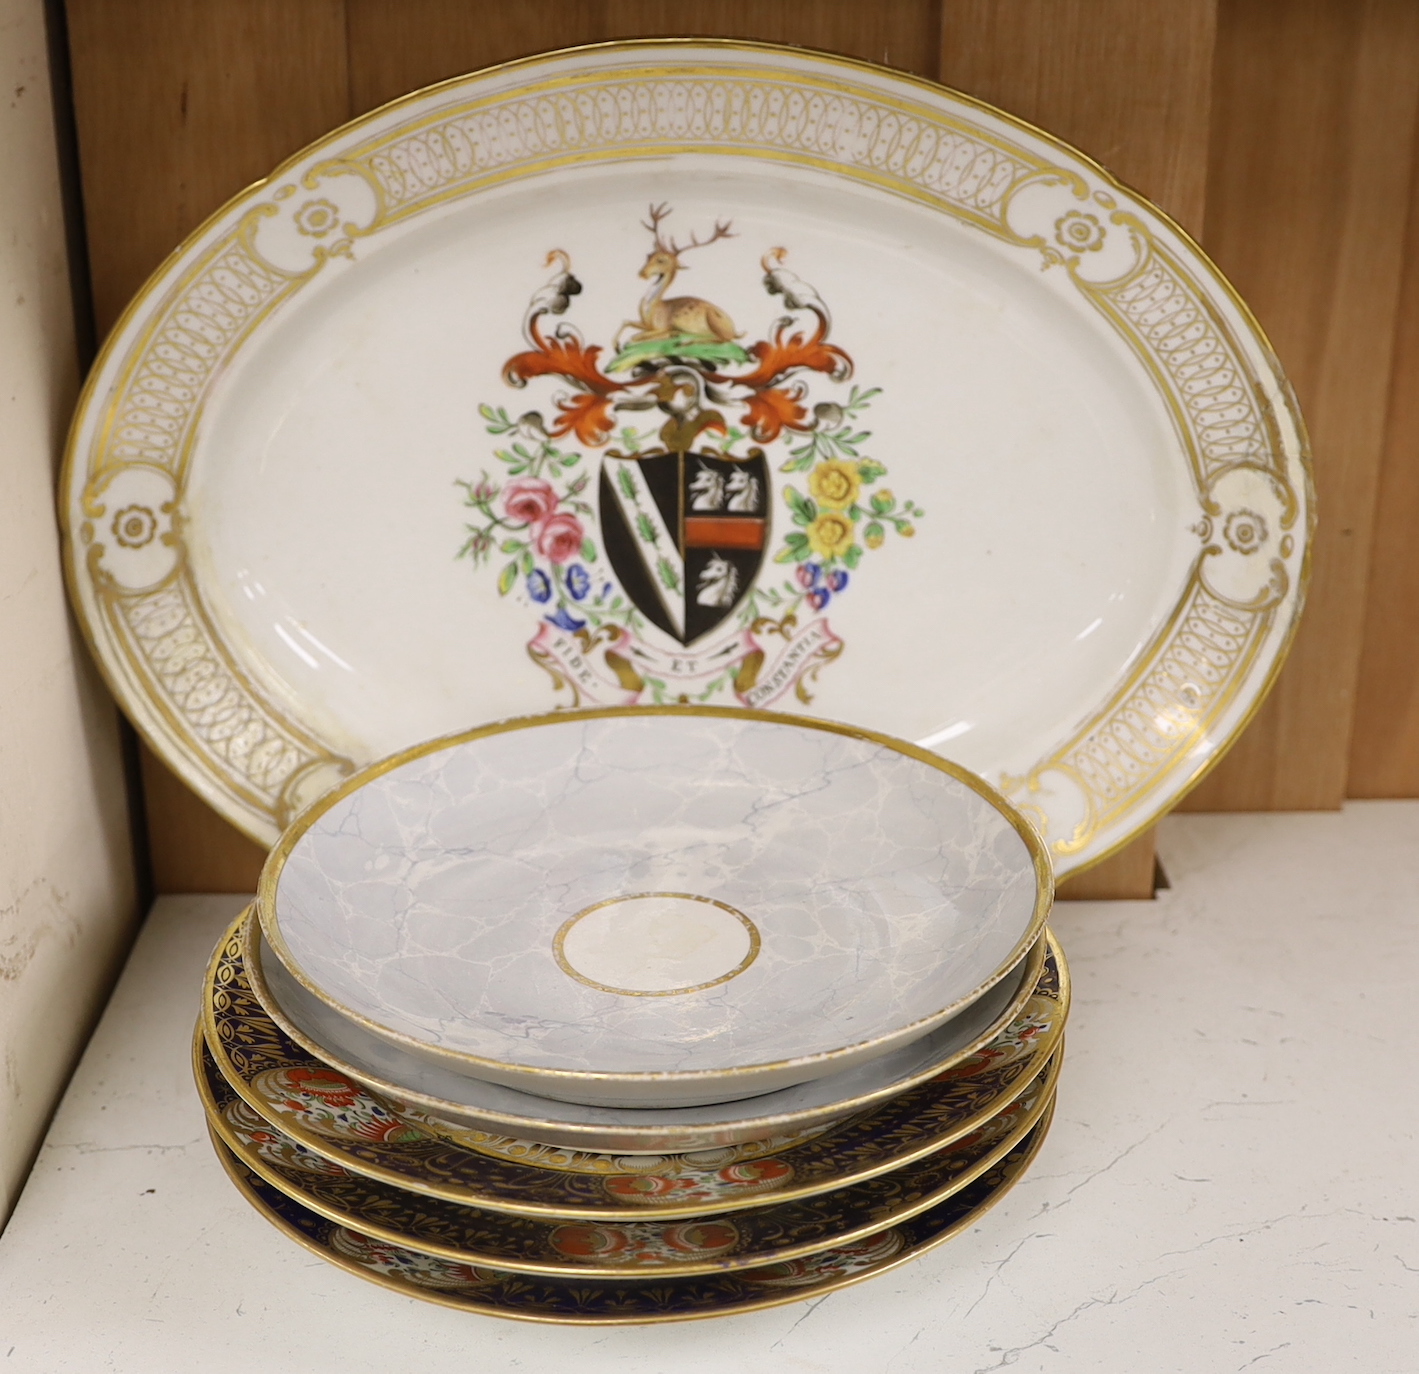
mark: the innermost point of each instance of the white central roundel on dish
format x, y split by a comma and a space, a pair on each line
664, 895
656, 944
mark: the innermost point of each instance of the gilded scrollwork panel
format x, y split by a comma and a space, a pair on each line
266, 762
1195, 667
852, 132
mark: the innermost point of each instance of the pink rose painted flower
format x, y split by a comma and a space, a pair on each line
529, 499
560, 537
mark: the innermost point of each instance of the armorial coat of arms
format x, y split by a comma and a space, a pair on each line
657, 578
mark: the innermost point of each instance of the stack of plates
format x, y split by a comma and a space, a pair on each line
638, 1015
946, 433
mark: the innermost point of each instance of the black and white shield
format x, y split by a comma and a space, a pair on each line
686, 534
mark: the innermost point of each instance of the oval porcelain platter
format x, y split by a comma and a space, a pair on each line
696, 372
655, 906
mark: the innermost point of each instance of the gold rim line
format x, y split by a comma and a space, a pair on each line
331, 1150
200, 777
780, 1300
519, 1126
266, 888
1039, 1055
560, 938
1046, 1082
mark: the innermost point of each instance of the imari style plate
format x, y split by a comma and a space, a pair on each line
331, 1115
695, 372
655, 906
706, 1243
486, 1108
639, 1298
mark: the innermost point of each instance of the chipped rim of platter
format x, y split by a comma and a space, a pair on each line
631, 1136
1157, 730
1041, 1088
1028, 1148
644, 1130
736, 1081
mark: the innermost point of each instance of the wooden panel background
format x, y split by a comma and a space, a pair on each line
1281, 133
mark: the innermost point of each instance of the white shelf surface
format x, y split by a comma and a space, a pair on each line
1229, 1185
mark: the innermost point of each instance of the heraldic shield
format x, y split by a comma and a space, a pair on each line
685, 534
691, 430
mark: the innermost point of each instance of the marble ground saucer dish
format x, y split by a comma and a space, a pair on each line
418, 1086
329, 1114
497, 1292
781, 1229
656, 906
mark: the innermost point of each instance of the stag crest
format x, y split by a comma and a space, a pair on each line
723, 229
687, 318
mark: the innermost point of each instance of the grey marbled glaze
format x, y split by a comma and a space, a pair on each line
481, 1105
886, 892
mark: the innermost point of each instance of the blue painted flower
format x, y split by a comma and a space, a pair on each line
837, 580
808, 574
819, 597
539, 585
563, 619
578, 581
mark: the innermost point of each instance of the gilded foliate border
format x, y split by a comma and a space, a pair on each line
268, 765
1198, 662
833, 126
1161, 715
263, 764
1222, 408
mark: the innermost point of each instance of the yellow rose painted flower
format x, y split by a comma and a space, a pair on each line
830, 535
835, 484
